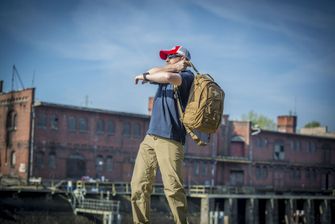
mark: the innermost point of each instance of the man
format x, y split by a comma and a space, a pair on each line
163, 145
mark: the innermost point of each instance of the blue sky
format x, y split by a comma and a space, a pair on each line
271, 57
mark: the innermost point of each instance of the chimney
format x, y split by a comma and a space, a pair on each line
1, 86
287, 123
150, 104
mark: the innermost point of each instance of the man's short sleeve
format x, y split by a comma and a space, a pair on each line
184, 89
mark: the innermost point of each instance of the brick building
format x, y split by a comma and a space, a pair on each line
16, 132
55, 141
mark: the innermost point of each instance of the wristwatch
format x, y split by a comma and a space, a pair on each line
145, 76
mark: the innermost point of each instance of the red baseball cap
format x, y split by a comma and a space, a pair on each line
175, 50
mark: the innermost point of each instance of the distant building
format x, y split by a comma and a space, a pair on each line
318, 131
55, 141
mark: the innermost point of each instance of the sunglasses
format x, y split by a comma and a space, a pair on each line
173, 56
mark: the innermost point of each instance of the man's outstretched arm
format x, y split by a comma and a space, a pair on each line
166, 74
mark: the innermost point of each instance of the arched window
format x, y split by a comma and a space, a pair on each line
126, 129
100, 128
11, 120
52, 160
41, 120
71, 123
13, 159
54, 122
111, 127
83, 124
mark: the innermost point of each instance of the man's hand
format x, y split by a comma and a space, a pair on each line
138, 78
181, 65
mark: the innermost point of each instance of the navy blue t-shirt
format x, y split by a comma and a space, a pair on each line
164, 120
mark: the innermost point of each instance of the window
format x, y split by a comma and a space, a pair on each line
261, 172
71, 123
311, 147
100, 128
83, 125
196, 168
279, 151
40, 159
11, 120
204, 168
52, 160
314, 174
136, 130
236, 177
261, 142
99, 163
111, 127
308, 174
42, 120
109, 163
13, 159
126, 129
264, 142
54, 122
295, 144
297, 173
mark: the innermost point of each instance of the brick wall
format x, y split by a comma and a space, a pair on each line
15, 122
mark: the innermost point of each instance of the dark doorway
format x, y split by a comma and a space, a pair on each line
317, 215
241, 204
261, 211
281, 211
75, 166
332, 211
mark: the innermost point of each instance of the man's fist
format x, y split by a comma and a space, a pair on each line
181, 65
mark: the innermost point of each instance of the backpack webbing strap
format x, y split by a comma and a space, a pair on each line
195, 138
192, 65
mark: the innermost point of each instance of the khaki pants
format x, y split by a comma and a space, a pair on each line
168, 155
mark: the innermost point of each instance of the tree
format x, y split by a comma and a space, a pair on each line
312, 124
257, 119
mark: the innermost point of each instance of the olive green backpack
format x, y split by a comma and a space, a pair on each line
204, 109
